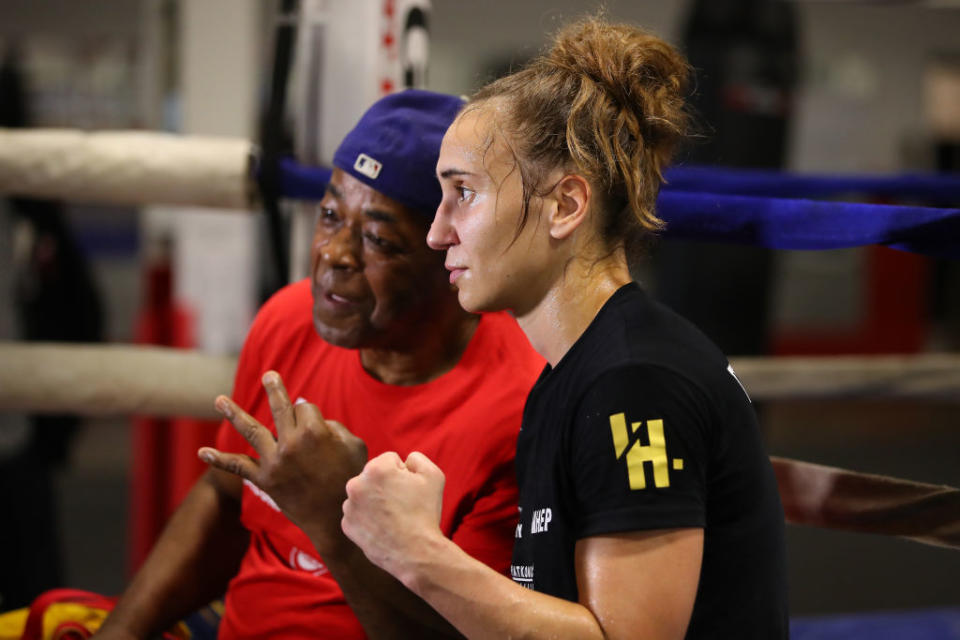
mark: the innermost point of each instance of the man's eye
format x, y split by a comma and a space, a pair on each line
464, 194
382, 244
326, 215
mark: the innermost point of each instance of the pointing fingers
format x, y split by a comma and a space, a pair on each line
283, 415
247, 426
240, 465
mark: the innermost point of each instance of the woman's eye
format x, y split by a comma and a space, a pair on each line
464, 194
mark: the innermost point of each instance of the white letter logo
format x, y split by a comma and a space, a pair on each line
367, 166
541, 520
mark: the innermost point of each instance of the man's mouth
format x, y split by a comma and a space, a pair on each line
336, 297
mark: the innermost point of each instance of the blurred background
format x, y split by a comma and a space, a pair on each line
811, 86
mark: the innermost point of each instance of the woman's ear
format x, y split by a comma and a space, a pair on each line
572, 195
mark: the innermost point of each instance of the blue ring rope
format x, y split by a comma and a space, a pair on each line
783, 223
693, 212
929, 187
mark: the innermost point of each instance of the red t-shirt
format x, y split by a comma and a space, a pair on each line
466, 421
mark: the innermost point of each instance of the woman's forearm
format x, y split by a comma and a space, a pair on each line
482, 603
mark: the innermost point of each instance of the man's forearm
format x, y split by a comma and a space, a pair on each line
385, 607
197, 554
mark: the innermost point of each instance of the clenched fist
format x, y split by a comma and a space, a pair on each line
393, 510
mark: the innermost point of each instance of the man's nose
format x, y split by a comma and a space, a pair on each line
342, 249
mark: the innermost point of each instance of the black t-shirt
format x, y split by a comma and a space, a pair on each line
643, 425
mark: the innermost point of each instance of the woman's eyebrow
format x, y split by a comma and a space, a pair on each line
449, 173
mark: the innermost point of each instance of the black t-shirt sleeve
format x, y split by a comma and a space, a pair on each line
638, 452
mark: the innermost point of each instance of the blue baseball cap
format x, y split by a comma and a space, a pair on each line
395, 146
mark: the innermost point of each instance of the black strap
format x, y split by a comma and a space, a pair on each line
274, 142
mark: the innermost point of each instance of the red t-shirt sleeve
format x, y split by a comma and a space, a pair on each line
486, 531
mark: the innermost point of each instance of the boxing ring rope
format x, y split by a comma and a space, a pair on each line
815, 495
925, 376
126, 167
106, 380
118, 379
933, 187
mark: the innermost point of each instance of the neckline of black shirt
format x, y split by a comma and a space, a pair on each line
622, 292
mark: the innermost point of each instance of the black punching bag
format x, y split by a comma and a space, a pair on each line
744, 53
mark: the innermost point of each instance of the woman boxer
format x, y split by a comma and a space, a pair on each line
648, 508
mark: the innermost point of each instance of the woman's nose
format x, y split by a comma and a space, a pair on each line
441, 235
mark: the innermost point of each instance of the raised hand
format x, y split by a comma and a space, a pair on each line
393, 509
304, 469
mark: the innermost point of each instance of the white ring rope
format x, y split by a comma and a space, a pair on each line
111, 380
925, 376
122, 379
125, 167
116, 379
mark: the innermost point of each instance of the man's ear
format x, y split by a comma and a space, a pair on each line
572, 195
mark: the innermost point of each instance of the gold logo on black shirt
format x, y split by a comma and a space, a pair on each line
655, 453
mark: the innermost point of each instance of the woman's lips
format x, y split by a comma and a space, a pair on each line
455, 272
